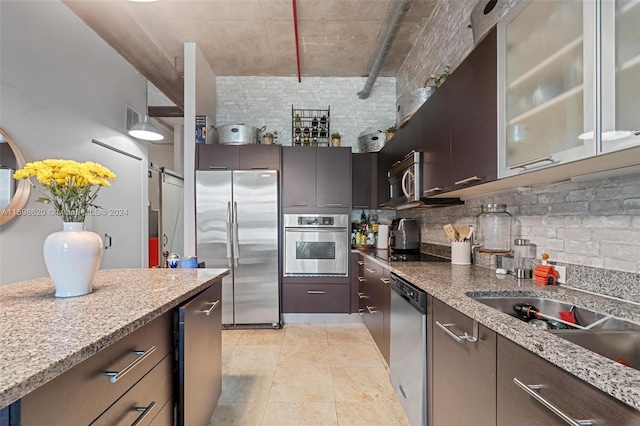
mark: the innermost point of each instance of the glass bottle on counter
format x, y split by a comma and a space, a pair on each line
494, 229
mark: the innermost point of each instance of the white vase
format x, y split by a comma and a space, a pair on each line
72, 257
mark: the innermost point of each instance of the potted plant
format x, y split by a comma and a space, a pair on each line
438, 79
335, 138
391, 131
269, 138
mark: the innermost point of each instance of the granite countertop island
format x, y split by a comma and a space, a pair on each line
43, 336
454, 284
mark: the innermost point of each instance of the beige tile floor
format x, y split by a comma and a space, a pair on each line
305, 374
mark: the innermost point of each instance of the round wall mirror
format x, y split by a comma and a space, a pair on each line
13, 193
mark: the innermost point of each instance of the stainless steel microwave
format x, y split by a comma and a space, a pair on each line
405, 181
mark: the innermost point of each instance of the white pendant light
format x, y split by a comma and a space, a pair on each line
144, 129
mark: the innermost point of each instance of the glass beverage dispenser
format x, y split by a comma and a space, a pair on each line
494, 229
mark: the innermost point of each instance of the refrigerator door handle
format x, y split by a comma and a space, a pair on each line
229, 255
236, 249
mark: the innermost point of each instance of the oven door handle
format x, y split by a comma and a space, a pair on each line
405, 177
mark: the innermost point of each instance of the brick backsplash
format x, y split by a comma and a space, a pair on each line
564, 220
267, 101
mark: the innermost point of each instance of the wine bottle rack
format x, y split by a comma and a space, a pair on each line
310, 127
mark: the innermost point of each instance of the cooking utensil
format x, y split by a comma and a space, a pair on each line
471, 231
568, 315
462, 232
450, 231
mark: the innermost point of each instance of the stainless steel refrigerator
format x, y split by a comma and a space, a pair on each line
237, 228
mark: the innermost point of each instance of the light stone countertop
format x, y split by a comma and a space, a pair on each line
451, 284
42, 336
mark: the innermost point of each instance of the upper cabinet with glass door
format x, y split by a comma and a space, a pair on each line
546, 85
620, 65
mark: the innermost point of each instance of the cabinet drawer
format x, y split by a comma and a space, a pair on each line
577, 399
143, 402
91, 391
165, 416
315, 298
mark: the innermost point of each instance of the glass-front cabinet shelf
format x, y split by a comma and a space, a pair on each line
547, 97
620, 65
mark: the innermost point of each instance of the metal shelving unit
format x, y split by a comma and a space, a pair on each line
310, 127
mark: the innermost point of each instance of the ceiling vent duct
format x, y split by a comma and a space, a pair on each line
485, 14
399, 11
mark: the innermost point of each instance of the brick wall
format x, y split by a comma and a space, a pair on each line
267, 101
594, 223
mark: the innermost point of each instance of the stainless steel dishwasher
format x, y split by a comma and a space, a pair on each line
408, 348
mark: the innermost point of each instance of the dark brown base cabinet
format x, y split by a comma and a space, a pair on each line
463, 373
375, 303
575, 398
133, 380
316, 298
199, 349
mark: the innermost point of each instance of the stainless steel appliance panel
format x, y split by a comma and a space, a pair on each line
408, 350
316, 245
237, 228
213, 230
255, 197
405, 180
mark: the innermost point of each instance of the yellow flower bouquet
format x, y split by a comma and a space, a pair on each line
71, 187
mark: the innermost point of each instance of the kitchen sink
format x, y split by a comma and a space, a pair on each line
620, 346
612, 337
549, 307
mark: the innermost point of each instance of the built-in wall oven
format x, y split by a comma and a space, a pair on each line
316, 245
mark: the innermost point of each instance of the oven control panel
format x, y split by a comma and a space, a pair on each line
315, 221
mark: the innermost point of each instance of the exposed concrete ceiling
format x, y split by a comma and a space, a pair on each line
338, 38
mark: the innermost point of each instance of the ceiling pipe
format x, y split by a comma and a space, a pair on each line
295, 28
400, 10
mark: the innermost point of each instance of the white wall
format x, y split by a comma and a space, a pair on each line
267, 101
60, 87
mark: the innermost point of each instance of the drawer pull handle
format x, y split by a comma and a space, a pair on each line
213, 307
361, 296
333, 205
636, 132
117, 375
459, 339
468, 180
525, 164
299, 204
218, 167
145, 412
371, 310
361, 279
385, 280
371, 271
532, 391
435, 189
360, 262
360, 311
315, 292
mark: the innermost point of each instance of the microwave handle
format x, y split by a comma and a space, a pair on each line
405, 177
